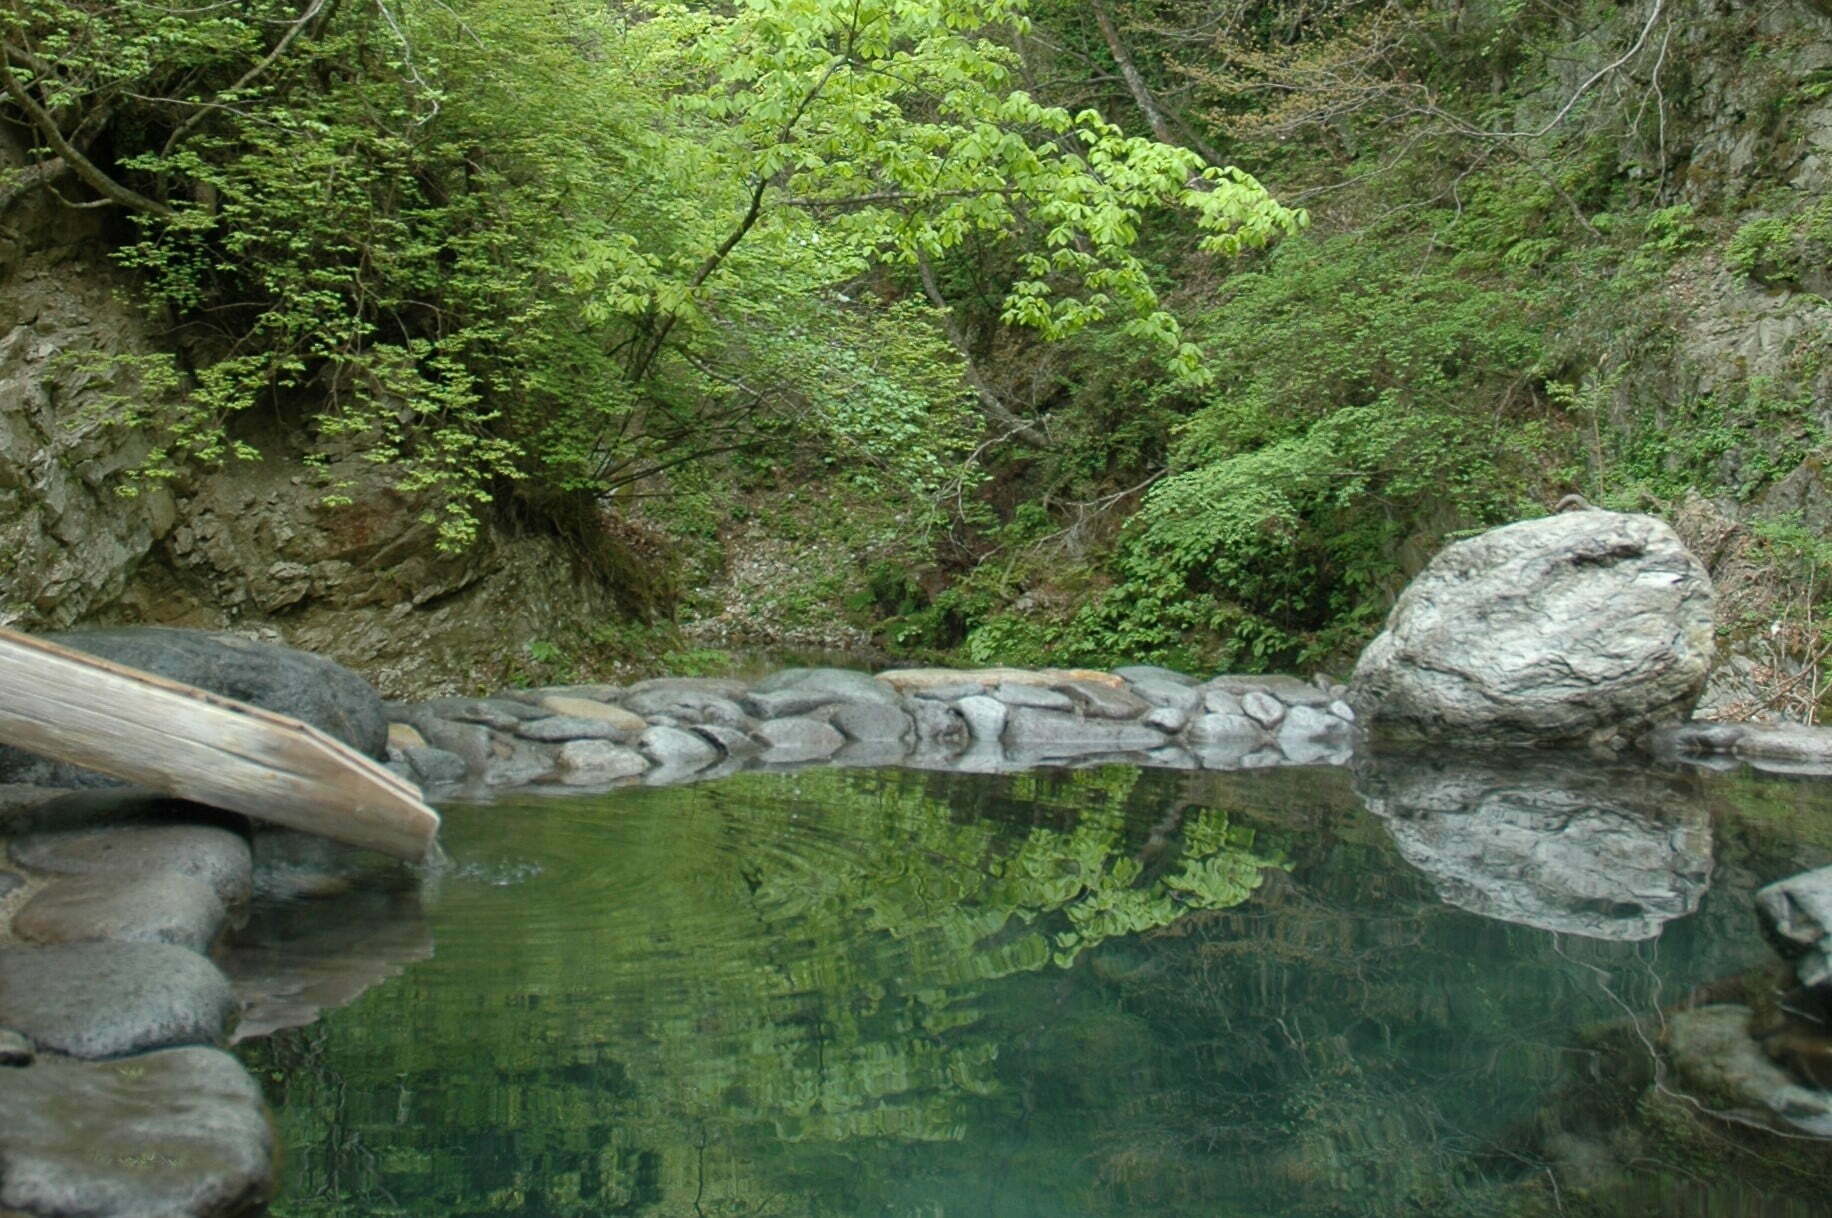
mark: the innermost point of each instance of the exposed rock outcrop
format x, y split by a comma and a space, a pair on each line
1585, 628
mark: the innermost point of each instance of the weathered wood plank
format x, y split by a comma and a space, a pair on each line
189, 742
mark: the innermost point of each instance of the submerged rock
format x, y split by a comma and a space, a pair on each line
1581, 628
1797, 914
176, 1134
1603, 852
1716, 1058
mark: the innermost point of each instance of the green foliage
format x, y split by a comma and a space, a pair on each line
1794, 248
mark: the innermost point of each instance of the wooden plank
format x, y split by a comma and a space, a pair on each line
189, 742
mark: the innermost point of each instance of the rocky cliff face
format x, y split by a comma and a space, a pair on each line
249, 546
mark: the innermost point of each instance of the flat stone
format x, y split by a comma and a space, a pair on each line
176, 1134
870, 721
1103, 700
1694, 739
985, 716
849, 685
915, 680
1174, 694
676, 748
437, 766
1289, 690
1262, 708
557, 728
729, 688
15, 1049
688, 706
500, 713
1030, 727
1342, 710
160, 908
781, 703
591, 691
1133, 674
798, 738
590, 762
404, 736
586, 708
1226, 729
1040, 696
948, 693
95, 1000
1783, 742
1221, 702
216, 856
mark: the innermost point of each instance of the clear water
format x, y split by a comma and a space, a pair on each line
1112, 992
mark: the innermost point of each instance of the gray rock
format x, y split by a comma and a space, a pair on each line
95, 1000
586, 708
1580, 628
947, 693
1677, 740
593, 692
590, 762
1221, 702
847, 684
1289, 690
873, 722
1309, 723
1226, 729
1797, 914
1606, 852
1169, 719
436, 766
517, 763
10, 881
177, 1134
1176, 695
939, 727
731, 741
290, 865
1052, 730
1262, 708
400, 768
159, 908
688, 706
782, 703
1040, 696
984, 716
1342, 710
15, 1049
1784, 742
556, 729
470, 742
676, 748
503, 714
1136, 673
1720, 1065
798, 738
1103, 701
729, 688
216, 856
321, 692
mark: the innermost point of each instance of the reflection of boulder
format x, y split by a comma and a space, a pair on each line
1600, 851
294, 962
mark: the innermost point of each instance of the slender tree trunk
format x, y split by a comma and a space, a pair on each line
1129, 72
996, 409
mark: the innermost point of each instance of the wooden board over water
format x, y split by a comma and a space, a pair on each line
192, 743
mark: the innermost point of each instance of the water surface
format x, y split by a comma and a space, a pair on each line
1112, 992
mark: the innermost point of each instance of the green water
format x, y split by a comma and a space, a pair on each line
1113, 992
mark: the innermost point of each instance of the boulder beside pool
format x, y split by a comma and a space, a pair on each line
1586, 628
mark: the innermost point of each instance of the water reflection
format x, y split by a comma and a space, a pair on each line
1603, 851
1112, 992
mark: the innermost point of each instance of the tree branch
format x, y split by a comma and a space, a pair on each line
997, 410
293, 30
81, 165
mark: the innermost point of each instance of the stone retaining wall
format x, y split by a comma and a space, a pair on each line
676, 729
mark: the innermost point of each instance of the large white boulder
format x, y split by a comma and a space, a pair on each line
1586, 627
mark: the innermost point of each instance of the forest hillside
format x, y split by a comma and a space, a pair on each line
465, 339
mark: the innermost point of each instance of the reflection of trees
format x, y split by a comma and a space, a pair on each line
763, 965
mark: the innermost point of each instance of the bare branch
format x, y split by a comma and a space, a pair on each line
81, 165
293, 30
